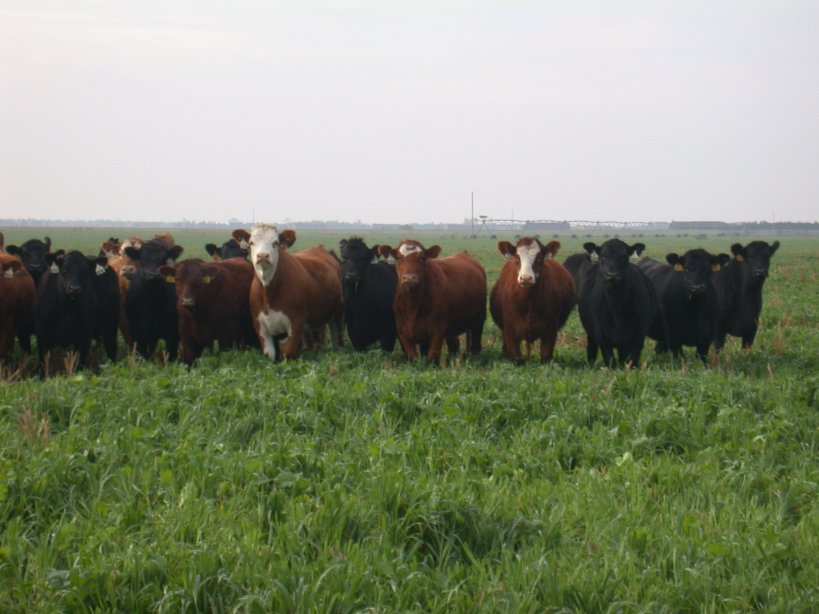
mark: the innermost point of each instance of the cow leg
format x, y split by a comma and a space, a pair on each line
109, 342
387, 341
337, 328
591, 349
702, 351
748, 338
547, 347
269, 346
608, 355
473, 340
293, 344
409, 348
436, 344
511, 345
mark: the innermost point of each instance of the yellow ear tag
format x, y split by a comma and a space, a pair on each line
678, 268
715, 267
170, 279
739, 258
207, 279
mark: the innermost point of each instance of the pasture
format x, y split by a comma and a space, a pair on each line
358, 482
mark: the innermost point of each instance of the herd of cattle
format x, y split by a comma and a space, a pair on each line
257, 292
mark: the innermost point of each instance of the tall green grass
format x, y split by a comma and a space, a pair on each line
349, 482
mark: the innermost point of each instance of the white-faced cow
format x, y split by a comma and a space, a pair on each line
688, 300
369, 288
77, 302
532, 298
617, 303
292, 294
739, 291
437, 299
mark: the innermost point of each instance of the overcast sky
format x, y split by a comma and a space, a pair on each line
397, 111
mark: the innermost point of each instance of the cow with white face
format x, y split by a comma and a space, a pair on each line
532, 298
292, 294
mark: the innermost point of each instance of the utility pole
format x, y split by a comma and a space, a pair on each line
472, 217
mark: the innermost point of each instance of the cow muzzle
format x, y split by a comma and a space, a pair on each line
187, 301
409, 280
759, 273
612, 278
697, 288
127, 271
263, 258
526, 281
72, 292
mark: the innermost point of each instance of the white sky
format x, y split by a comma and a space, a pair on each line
395, 111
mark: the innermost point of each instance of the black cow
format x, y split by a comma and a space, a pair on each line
77, 302
616, 302
688, 300
150, 303
33, 255
369, 289
578, 265
739, 291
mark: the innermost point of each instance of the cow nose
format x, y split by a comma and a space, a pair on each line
409, 280
187, 301
698, 288
351, 276
526, 280
127, 271
611, 276
72, 291
759, 272
263, 257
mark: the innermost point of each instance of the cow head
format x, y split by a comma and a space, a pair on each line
410, 257
529, 254
192, 278
10, 267
266, 244
356, 257
149, 257
229, 249
755, 257
75, 271
32, 254
110, 248
696, 266
613, 258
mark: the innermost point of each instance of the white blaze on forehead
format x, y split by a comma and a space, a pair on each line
271, 324
527, 255
408, 248
264, 251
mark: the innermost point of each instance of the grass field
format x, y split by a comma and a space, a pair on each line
356, 482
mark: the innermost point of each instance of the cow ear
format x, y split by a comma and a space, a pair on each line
432, 252
343, 243
287, 237
774, 247
590, 248
47, 241
211, 249
132, 252
637, 248
100, 264
674, 260
168, 271
10, 267
175, 252
506, 249
738, 251
209, 273
242, 237
13, 250
551, 249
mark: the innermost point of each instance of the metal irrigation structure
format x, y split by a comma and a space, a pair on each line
485, 225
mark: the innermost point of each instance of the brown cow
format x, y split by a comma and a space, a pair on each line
437, 300
17, 295
212, 304
292, 293
532, 298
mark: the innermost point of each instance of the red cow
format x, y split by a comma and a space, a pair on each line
532, 298
292, 293
17, 295
437, 300
212, 304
